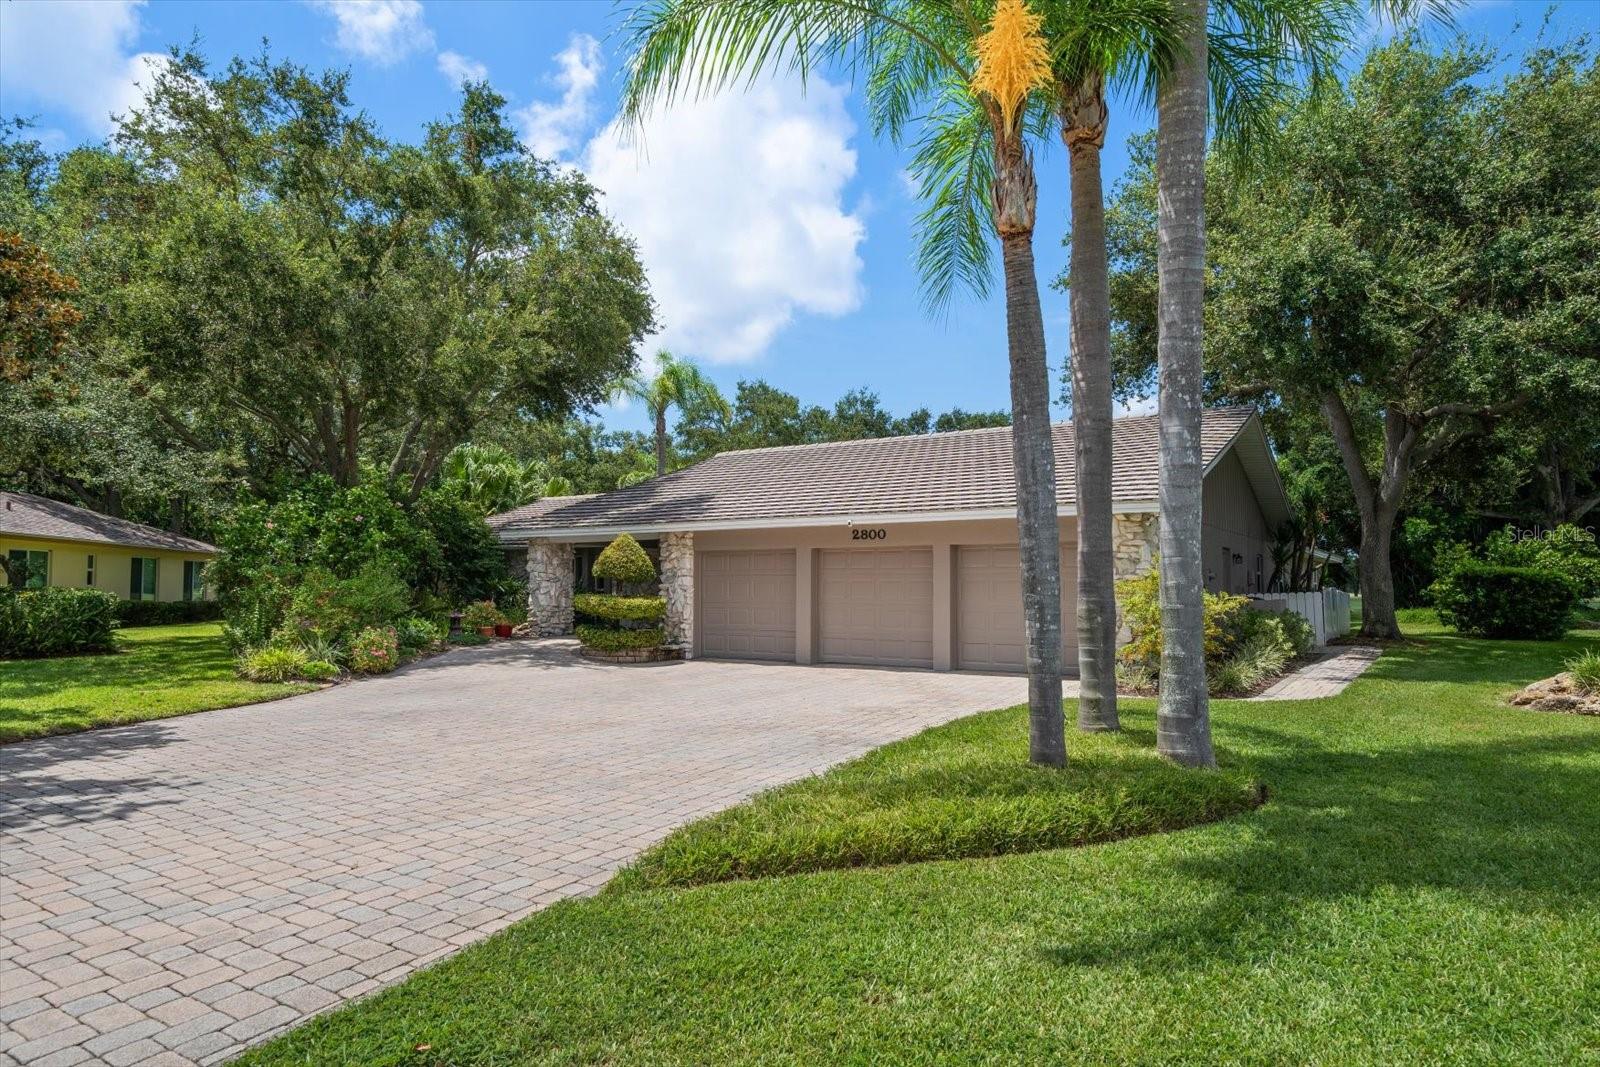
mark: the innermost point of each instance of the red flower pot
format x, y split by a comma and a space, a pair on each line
502, 629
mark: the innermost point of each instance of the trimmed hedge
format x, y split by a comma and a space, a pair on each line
620, 608
605, 639
53, 622
167, 612
1515, 602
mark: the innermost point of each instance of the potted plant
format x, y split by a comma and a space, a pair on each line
481, 616
502, 628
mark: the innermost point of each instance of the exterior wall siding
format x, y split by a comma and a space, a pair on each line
1232, 520
69, 565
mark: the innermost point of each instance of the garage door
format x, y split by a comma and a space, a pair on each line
746, 603
990, 634
875, 605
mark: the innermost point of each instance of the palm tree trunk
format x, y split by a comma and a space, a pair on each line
1033, 454
1083, 128
661, 440
1183, 715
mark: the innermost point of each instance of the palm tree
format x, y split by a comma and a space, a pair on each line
491, 477
677, 383
1281, 34
974, 168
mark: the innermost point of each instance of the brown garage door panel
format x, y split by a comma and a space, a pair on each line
746, 604
875, 605
990, 634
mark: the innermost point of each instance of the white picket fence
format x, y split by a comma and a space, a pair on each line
1327, 611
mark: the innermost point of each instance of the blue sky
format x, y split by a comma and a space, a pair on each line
777, 233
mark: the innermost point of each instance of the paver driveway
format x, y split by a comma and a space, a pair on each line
173, 891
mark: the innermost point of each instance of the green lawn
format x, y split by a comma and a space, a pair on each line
156, 671
1423, 886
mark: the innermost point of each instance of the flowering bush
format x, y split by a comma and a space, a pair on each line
375, 650
480, 614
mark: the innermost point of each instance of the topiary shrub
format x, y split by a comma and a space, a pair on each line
625, 560
606, 639
1515, 602
620, 608
55, 622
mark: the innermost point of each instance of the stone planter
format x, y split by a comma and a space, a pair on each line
631, 655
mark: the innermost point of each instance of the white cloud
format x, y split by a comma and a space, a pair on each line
737, 202
553, 130
384, 31
74, 57
459, 69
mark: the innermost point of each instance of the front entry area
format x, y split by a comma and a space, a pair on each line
875, 606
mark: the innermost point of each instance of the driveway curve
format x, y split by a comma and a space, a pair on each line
174, 891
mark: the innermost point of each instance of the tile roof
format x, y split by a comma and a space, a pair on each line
967, 470
535, 510
26, 515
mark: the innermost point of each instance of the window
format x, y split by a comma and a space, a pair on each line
1261, 574
143, 584
194, 586
36, 565
88, 570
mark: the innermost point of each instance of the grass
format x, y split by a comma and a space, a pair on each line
156, 672
1423, 886
954, 792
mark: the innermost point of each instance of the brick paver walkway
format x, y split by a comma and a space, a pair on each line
173, 891
1327, 677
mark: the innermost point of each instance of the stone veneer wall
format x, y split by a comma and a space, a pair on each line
677, 586
551, 576
1136, 538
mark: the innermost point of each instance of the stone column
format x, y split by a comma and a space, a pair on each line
551, 574
677, 586
1135, 539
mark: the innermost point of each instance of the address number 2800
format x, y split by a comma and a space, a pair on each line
877, 533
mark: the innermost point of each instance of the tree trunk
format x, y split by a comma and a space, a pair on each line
1183, 715
1083, 128
1033, 453
1377, 577
661, 440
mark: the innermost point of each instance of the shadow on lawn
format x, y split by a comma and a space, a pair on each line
32, 791
1504, 818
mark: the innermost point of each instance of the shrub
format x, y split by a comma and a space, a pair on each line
167, 612
468, 638
470, 563
625, 561
53, 622
480, 614
375, 650
1140, 599
273, 663
606, 639
416, 633
1567, 550
1585, 671
1515, 602
319, 670
620, 608
1259, 658
333, 609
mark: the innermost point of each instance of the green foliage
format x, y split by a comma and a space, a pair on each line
480, 614
55, 621
1567, 550
468, 638
490, 478
333, 609
620, 608
469, 563
167, 612
274, 663
319, 670
624, 560
1585, 670
1140, 600
416, 634
610, 639
1515, 602
375, 650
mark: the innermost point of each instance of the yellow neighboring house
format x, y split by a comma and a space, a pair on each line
69, 546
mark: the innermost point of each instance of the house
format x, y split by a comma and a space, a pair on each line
64, 545
896, 551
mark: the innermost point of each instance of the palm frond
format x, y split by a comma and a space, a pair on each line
953, 167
